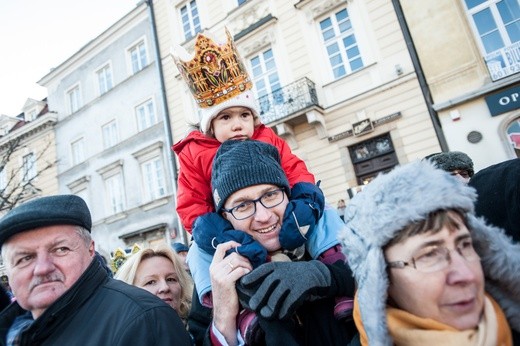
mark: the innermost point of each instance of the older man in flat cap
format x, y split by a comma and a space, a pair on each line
64, 296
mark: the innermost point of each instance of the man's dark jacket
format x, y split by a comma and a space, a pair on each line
98, 310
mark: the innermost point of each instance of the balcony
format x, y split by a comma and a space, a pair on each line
287, 102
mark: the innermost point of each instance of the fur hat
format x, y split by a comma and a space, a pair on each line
245, 99
240, 164
45, 211
452, 160
405, 195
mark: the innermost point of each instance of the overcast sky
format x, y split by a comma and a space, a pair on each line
37, 35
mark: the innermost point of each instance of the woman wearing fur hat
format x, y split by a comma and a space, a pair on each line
428, 270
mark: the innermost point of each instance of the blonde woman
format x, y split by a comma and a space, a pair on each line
160, 271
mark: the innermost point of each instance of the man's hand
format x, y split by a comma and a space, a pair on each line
276, 289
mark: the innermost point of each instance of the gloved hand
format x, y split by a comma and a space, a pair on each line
276, 289
301, 215
212, 229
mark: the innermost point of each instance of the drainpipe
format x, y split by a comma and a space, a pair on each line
434, 116
167, 125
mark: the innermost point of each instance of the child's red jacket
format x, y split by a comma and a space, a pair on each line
196, 153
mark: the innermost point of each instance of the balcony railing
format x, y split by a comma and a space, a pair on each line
288, 100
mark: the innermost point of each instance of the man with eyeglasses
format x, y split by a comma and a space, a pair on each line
292, 295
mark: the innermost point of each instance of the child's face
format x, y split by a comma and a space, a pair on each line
233, 123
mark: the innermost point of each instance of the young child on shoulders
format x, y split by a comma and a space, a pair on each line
222, 87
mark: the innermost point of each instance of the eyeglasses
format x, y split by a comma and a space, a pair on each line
435, 258
247, 209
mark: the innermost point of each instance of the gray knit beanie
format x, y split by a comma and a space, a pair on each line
240, 164
452, 160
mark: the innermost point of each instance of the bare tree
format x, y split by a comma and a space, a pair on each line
19, 183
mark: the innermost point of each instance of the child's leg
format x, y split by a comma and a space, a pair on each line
199, 262
324, 246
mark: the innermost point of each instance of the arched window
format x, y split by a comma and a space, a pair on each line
513, 135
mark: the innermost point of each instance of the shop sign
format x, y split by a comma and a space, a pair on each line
504, 101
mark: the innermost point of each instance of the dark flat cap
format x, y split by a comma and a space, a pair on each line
45, 211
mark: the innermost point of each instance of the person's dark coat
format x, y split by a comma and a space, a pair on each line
98, 310
498, 201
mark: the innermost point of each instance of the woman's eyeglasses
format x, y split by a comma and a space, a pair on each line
435, 258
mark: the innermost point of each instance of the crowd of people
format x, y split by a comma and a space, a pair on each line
427, 253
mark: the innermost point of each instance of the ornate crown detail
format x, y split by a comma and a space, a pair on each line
216, 72
121, 255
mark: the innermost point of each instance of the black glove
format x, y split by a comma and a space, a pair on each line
301, 215
212, 229
276, 289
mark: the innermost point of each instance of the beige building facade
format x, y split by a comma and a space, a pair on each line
470, 55
333, 78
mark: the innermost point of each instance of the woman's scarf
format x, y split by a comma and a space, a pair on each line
407, 329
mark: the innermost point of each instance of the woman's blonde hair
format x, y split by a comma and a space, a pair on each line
127, 272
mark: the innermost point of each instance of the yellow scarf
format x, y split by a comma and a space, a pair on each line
408, 329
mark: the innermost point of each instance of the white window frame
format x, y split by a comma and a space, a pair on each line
3, 178
74, 98
261, 74
186, 20
115, 189
142, 59
153, 178
338, 39
104, 77
146, 114
110, 135
29, 167
498, 64
77, 150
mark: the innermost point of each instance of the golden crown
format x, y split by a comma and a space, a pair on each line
121, 255
216, 72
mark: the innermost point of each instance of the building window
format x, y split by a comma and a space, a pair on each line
145, 113
190, 19
372, 157
266, 80
138, 57
104, 77
240, 2
28, 167
74, 99
3, 179
110, 137
31, 115
78, 151
341, 44
115, 193
513, 135
497, 27
153, 179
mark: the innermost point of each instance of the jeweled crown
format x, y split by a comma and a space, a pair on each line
216, 72
121, 255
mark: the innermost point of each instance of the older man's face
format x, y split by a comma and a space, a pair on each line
44, 263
